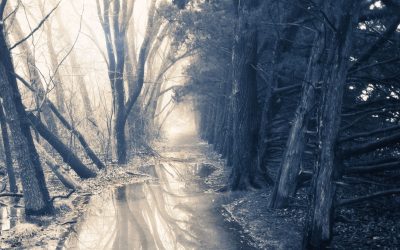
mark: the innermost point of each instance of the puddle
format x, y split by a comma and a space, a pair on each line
173, 212
9, 217
10, 213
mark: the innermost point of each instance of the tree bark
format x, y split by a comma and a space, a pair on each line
7, 152
115, 27
281, 46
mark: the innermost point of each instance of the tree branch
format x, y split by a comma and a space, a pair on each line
36, 28
371, 146
63, 196
11, 195
373, 168
346, 202
370, 133
374, 47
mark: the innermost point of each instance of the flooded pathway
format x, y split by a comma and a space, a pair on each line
173, 212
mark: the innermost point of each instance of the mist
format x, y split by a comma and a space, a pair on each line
199, 124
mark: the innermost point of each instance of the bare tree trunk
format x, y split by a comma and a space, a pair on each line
344, 15
290, 167
115, 27
68, 156
88, 150
282, 45
244, 92
122, 112
36, 195
35, 78
7, 152
65, 179
58, 85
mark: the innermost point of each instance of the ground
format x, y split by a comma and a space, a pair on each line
368, 225
264, 227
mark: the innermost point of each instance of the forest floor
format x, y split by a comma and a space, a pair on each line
265, 228
368, 225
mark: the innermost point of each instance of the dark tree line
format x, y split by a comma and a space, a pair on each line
301, 93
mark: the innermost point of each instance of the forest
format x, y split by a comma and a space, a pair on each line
200, 124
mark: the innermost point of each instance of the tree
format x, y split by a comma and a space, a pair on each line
343, 16
244, 102
115, 21
36, 196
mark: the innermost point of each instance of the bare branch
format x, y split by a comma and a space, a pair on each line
37, 27
11, 195
367, 197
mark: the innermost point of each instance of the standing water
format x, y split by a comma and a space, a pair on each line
173, 212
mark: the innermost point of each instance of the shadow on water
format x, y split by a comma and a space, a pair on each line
173, 212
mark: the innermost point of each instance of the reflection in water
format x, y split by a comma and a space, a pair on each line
8, 217
172, 213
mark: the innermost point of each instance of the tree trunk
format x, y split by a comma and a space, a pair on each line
88, 150
286, 183
7, 152
90, 153
68, 156
54, 67
281, 45
35, 79
36, 195
65, 179
244, 92
344, 15
217, 133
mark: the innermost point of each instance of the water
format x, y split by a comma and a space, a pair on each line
8, 218
10, 212
173, 212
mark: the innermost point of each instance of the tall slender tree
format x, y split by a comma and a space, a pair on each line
340, 23
244, 97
